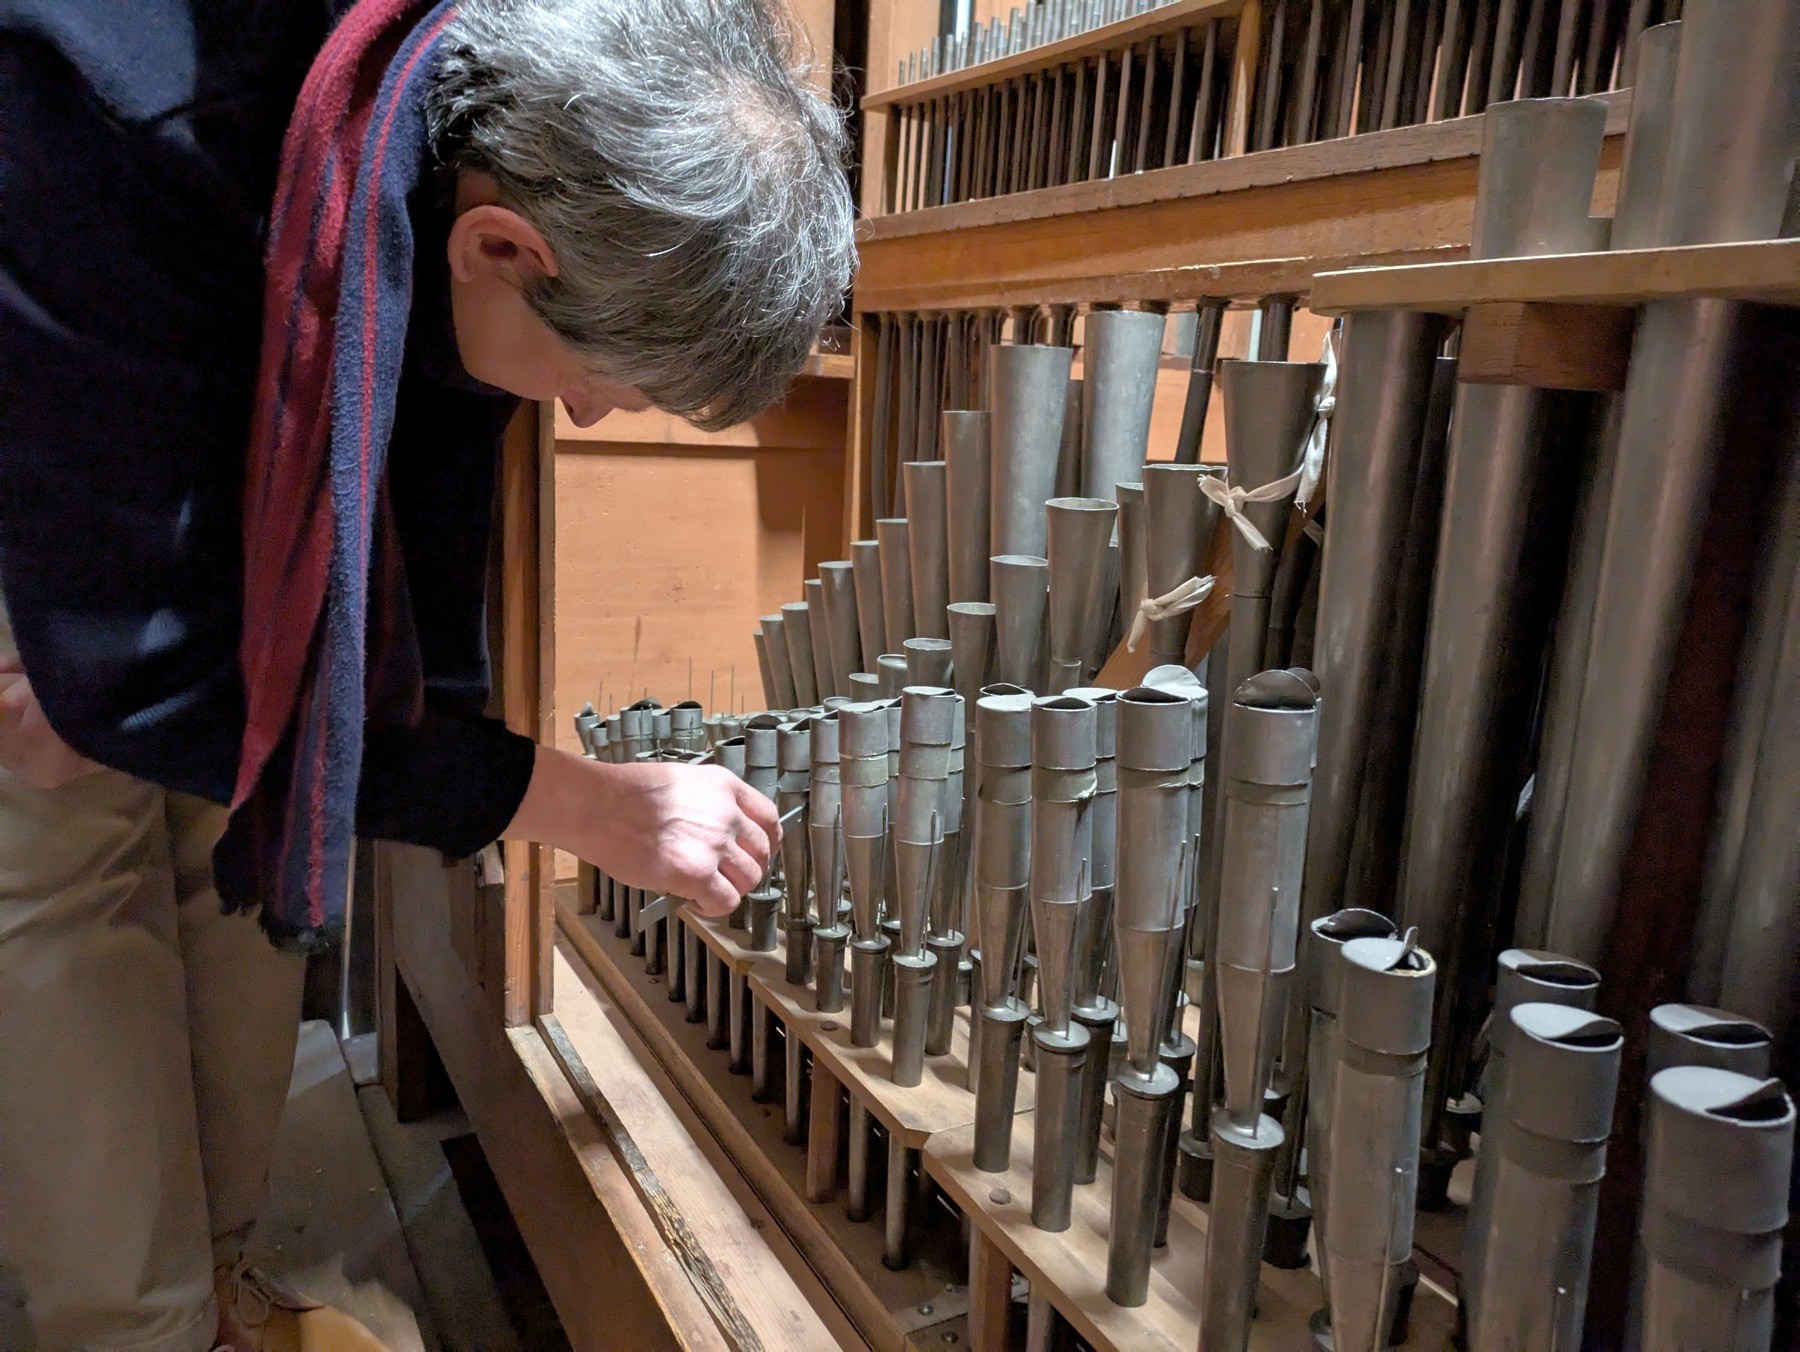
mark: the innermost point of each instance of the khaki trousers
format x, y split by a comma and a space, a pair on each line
146, 1043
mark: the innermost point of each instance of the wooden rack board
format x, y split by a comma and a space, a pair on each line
1049, 55
890, 1309
1760, 270
1070, 1267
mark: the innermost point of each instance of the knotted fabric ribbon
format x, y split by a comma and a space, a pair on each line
1312, 460
1232, 500
1167, 606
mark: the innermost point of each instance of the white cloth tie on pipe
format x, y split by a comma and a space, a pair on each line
1312, 462
1166, 607
1232, 500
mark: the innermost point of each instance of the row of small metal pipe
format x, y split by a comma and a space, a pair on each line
1323, 69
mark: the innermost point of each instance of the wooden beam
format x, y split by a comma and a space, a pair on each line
1548, 347
1759, 270
824, 1140
990, 1293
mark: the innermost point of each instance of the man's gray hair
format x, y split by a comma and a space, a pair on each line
688, 179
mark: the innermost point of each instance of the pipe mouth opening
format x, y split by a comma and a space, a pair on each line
1355, 923
1560, 973
1095, 505
1598, 1036
1149, 694
1284, 691
1768, 1102
1065, 703
1744, 1034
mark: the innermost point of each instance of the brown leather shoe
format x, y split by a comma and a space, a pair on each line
259, 1314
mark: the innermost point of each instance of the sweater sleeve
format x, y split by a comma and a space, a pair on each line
451, 783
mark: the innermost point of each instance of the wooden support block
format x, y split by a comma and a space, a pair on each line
990, 1293
1549, 347
823, 1143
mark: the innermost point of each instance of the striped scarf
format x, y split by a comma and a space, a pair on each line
328, 637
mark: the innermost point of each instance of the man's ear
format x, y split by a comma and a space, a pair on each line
492, 241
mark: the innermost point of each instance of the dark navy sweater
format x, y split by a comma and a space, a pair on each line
139, 141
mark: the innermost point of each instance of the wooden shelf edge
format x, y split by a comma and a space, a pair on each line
1758, 270
1049, 55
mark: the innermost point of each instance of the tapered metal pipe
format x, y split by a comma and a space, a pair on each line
1093, 1007
967, 486
1721, 1149
1378, 437
896, 580
1133, 576
1082, 586
1056, 1119
971, 645
1243, 1162
796, 628
1068, 454
1269, 411
1002, 851
1558, 1108
1026, 400
928, 546
871, 613
824, 679
774, 629
1119, 364
1179, 521
1524, 976
928, 661
1693, 1035
1383, 1030
863, 771
770, 697
838, 590
946, 920
1325, 998
762, 771
1021, 593
825, 829
1063, 732
794, 749
1270, 732
927, 729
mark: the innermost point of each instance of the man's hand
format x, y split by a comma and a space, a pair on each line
693, 831
29, 747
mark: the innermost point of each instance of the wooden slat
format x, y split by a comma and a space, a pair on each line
824, 1140
990, 1293
1106, 38
1548, 347
884, 1306
1243, 80
1761, 270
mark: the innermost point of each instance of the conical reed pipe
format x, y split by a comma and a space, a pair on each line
967, 482
762, 771
890, 670
871, 613
1269, 412
1178, 524
945, 934
927, 546
1021, 592
825, 827
1558, 1108
896, 580
838, 588
767, 672
1119, 365
1068, 454
1324, 996
971, 646
1269, 737
1384, 1028
1081, 587
1093, 1008
1693, 1035
794, 749
1716, 1183
1002, 838
824, 680
1133, 579
796, 627
1063, 781
927, 661
1027, 398
1524, 976
863, 770
774, 630
1243, 1162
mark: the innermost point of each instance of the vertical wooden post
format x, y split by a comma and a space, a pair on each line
859, 511
990, 1293
528, 704
1244, 64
